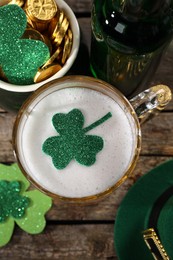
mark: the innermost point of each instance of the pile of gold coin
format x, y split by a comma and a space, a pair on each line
47, 23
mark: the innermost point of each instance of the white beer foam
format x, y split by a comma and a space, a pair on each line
76, 181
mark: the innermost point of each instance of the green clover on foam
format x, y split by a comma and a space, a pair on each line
72, 143
18, 205
19, 58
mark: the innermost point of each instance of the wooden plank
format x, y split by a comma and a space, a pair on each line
67, 242
80, 6
164, 72
157, 135
6, 126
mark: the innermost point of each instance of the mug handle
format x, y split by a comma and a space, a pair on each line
151, 101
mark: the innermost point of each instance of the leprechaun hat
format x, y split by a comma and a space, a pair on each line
147, 205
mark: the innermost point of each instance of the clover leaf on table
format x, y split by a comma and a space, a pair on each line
72, 141
18, 205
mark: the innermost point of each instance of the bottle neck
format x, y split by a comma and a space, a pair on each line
140, 9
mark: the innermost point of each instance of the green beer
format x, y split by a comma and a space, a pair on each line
128, 40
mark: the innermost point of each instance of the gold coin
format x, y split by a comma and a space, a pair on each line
30, 22
47, 42
67, 46
40, 26
28, 25
36, 25
20, 3
31, 33
61, 32
47, 72
57, 24
61, 17
53, 23
53, 57
41, 10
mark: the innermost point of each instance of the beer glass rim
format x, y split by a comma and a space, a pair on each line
104, 88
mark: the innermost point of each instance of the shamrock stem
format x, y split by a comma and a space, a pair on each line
98, 122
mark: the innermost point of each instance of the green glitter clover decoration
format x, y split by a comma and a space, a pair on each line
72, 142
15, 204
19, 58
18, 205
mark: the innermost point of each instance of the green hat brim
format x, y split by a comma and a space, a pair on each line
133, 214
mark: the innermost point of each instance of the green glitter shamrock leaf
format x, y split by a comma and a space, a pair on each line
72, 142
19, 58
17, 205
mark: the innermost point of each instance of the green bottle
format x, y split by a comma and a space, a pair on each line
128, 40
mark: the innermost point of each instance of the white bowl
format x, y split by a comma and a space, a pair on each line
12, 96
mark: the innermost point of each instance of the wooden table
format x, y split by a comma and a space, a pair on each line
86, 232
